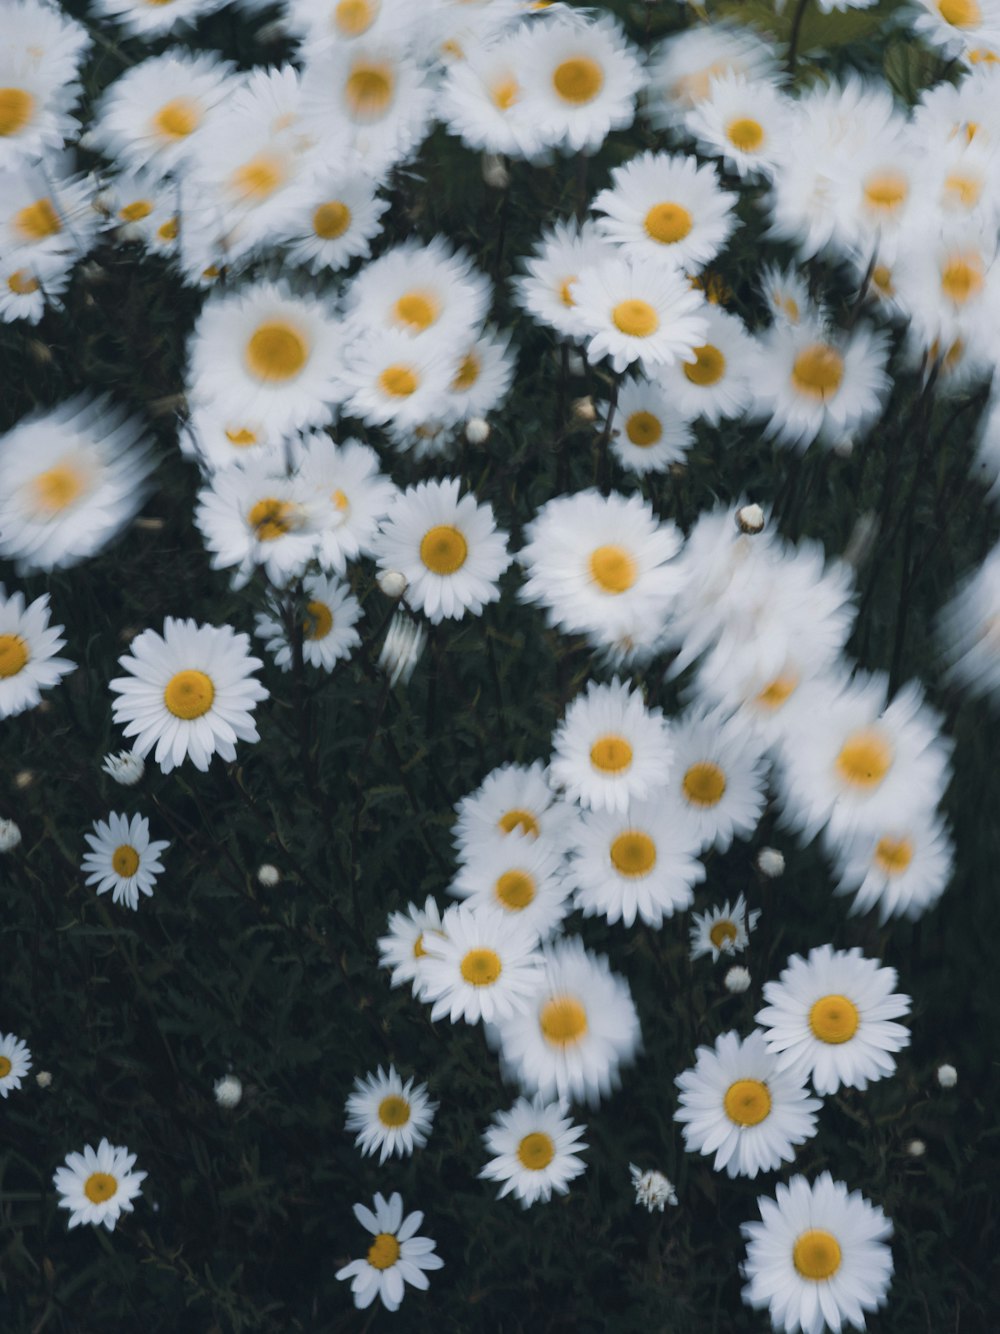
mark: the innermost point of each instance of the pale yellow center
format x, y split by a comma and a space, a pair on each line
136, 211
13, 655
515, 890
818, 371
816, 1254
398, 381
481, 967
536, 1151
747, 1102
384, 1251
893, 855
613, 569
37, 221
416, 311
394, 1110
578, 80
521, 820
565, 295
318, 622
611, 754
331, 220
271, 518
504, 93
745, 133
563, 1021
960, 13
16, 107
886, 191
864, 759
633, 853
708, 368
467, 373
643, 429
354, 17
668, 223
704, 784
963, 191
258, 179
99, 1186
723, 933
57, 488
125, 861
241, 436
882, 279
834, 1019
635, 318
962, 278
276, 352
368, 90
778, 691
177, 118
189, 694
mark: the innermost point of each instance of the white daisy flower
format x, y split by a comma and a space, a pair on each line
396, 1255
125, 767
535, 1151
717, 383
818, 1258
346, 476
648, 432
390, 1116
484, 965
449, 550
610, 749
738, 1104
483, 374
402, 948
328, 633
547, 290
902, 871
218, 440
190, 692
347, 21
523, 877
717, 784
123, 858
27, 290
482, 100
681, 69
45, 213
98, 1185
141, 19
391, 377
786, 294
41, 50
741, 121
956, 26
15, 1061
579, 1028
948, 285
829, 1017
638, 310
724, 930
336, 218
514, 798
27, 648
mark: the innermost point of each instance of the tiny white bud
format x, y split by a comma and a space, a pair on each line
844, 447
771, 863
737, 980
916, 1148
947, 1076
228, 1091
393, 583
750, 519
584, 410
10, 835
495, 172
268, 875
25, 777
652, 1188
575, 363
477, 431
43, 1079
126, 767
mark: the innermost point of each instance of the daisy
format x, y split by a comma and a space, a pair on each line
741, 121
402, 948
787, 296
716, 384
27, 290
535, 1151
724, 930
948, 285
958, 25
334, 222
45, 213
902, 871
483, 966
547, 290
579, 1028
388, 1115
39, 57
515, 798
648, 432
125, 767
482, 100
652, 1189
190, 692
218, 439
717, 781
98, 1185
483, 373
737, 1104
123, 858
969, 624
637, 310
70, 481
396, 1256
15, 1061
610, 750
328, 633
818, 1258
633, 864
449, 550
140, 19
391, 377
346, 477
681, 69
829, 1017
27, 648
523, 877
667, 207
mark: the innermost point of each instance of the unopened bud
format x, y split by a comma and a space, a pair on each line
228, 1091
737, 980
10, 835
43, 1079
844, 447
750, 519
495, 172
268, 875
947, 1076
916, 1148
24, 778
393, 583
477, 430
584, 410
575, 363
770, 863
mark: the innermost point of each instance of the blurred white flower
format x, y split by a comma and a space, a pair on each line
652, 1188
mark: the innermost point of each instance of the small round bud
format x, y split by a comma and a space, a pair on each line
268, 875
844, 447
584, 410
10, 835
770, 863
916, 1148
737, 980
228, 1091
24, 779
750, 519
126, 767
393, 583
43, 1079
477, 431
495, 172
947, 1076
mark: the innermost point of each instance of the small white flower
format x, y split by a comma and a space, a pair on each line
268, 875
388, 1115
10, 835
98, 1184
947, 1076
652, 1188
15, 1061
228, 1091
126, 767
737, 980
770, 863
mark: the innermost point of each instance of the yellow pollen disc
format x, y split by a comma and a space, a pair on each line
340, 500
523, 821
467, 373
962, 278
481, 968
633, 854
241, 437
643, 429
960, 13
745, 134
864, 760
13, 655
270, 519
611, 754
723, 933
189, 694
211, 272
416, 311
980, 56
177, 118
563, 1021
515, 890
882, 279
37, 221
384, 1251
21, 283
834, 1019
57, 488
816, 1254
578, 80
704, 784
5, 1067
443, 549
331, 220
893, 855
16, 107
885, 191
136, 211
963, 190
708, 369
394, 1111
167, 231
613, 569
818, 371
747, 1102
369, 90
125, 861
259, 178
353, 17
318, 622
536, 1151
276, 352
505, 93
99, 1186
418, 947
668, 223
635, 318
776, 692
565, 295
398, 381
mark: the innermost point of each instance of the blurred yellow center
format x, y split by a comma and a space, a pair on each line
885, 191
16, 107
963, 191
398, 381
369, 89
776, 692
331, 220
834, 1019
384, 1251
668, 223
505, 93
37, 221
643, 429
816, 1254
515, 890
241, 437
167, 231
893, 855
418, 947
747, 1102
633, 853
136, 211
960, 13
536, 1151
21, 283
818, 371
125, 861
416, 311
481, 968
276, 352
259, 178
708, 368
271, 518
5, 1066
745, 133
723, 933
635, 318
563, 1021
523, 821
318, 622
704, 783
99, 1186
578, 80
882, 279
177, 118
467, 373
612, 568
962, 277
611, 754
864, 759
353, 17
565, 295
189, 694
394, 1111
443, 549
57, 488
13, 655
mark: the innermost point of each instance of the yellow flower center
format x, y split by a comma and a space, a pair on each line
443, 549
13, 655
353, 17
745, 133
177, 118
635, 318
563, 1021
369, 89
776, 692
519, 819
398, 381
747, 1102
270, 519
417, 311
723, 933
505, 93
318, 622
241, 436
816, 1254
963, 191
962, 278
613, 569
99, 1186
611, 754
189, 694
864, 760
633, 854
882, 279
16, 107
536, 1151
960, 13
467, 373
331, 220
384, 1251
21, 283
258, 179
704, 783
818, 371
57, 488
893, 855
125, 861
515, 890
643, 429
276, 352
578, 80
709, 367
886, 190
136, 211
5, 1067
668, 223
418, 947
565, 295
834, 1019
481, 967
394, 1110
37, 221
167, 231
